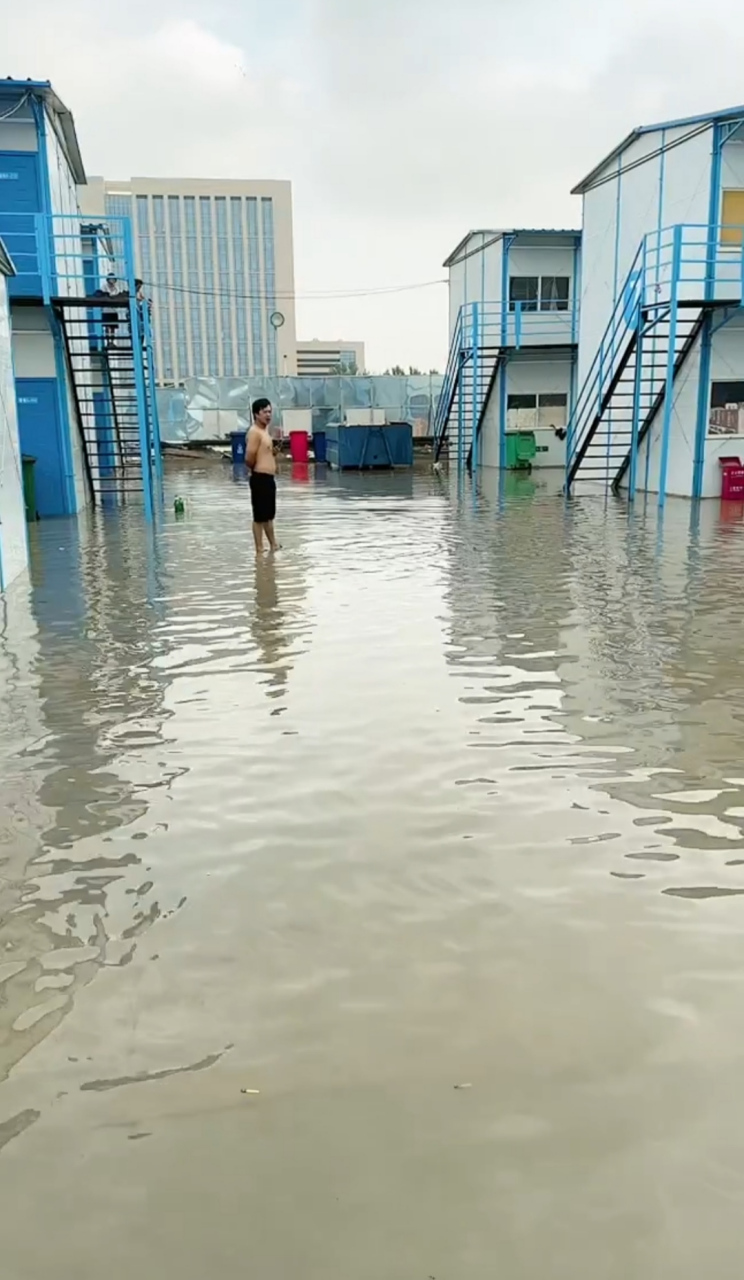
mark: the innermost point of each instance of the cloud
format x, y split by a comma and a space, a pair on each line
401, 124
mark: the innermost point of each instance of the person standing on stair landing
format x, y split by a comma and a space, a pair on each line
261, 459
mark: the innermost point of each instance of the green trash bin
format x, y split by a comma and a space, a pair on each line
29, 488
520, 450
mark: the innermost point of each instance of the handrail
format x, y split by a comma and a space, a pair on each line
493, 326
690, 262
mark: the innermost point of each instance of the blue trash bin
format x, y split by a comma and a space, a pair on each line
319, 446
237, 444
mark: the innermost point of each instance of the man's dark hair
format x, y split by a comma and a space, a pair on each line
259, 405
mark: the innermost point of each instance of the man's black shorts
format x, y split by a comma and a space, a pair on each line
263, 497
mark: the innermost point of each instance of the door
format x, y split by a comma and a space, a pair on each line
20, 199
732, 217
39, 430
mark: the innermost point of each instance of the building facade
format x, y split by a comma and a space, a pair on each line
513, 317
328, 359
217, 261
661, 354
85, 413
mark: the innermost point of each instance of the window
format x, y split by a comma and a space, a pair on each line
524, 289
257, 355
195, 289
225, 284
210, 309
544, 293
241, 288
552, 411
543, 411
726, 416
521, 413
554, 293
732, 218
267, 229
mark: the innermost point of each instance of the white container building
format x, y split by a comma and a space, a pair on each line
513, 321
661, 328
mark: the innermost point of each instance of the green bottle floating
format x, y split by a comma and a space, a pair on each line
179, 506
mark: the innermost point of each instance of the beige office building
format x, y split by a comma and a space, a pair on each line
217, 259
327, 358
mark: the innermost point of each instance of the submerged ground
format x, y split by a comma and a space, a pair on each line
430, 832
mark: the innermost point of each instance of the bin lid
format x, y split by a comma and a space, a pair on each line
26, 457
730, 460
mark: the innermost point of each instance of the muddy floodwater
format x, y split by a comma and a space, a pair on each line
375, 912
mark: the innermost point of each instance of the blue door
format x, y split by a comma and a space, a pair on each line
20, 199
39, 430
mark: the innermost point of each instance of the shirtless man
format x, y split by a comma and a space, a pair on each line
259, 456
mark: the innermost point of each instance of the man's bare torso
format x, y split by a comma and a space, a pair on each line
260, 440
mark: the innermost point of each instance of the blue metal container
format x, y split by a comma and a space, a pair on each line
360, 448
319, 446
237, 444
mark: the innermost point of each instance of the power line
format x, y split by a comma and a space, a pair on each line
290, 297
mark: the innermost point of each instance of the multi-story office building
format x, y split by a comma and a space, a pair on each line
216, 257
327, 358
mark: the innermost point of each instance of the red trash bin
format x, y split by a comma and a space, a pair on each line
732, 479
298, 446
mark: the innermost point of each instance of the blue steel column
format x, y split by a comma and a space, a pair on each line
703, 400
154, 415
506, 245
669, 386
476, 387
637, 391
460, 414
139, 375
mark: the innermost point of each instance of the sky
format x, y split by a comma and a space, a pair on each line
402, 124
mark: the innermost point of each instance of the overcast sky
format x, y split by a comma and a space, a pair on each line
401, 123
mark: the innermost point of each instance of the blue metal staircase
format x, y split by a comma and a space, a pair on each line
471, 372
483, 339
677, 277
64, 261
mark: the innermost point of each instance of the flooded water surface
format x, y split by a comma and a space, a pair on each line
375, 912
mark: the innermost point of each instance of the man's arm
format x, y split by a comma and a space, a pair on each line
252, 442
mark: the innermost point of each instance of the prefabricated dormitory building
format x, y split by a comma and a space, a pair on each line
82, 366
660, 363
513, 318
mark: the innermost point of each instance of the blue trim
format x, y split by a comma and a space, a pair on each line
576, 291
671, 357
714, 208
503, 367
703, 398
618, 199
662, 176
65, 423
506, 245
710, 117
476, 390
637, 389
703, 403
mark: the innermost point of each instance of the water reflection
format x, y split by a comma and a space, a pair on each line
447, 793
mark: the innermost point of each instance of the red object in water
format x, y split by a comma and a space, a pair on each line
300, 473
298, 446
732, 479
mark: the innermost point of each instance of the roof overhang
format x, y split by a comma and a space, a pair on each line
61, 117
696, 124
459, 254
